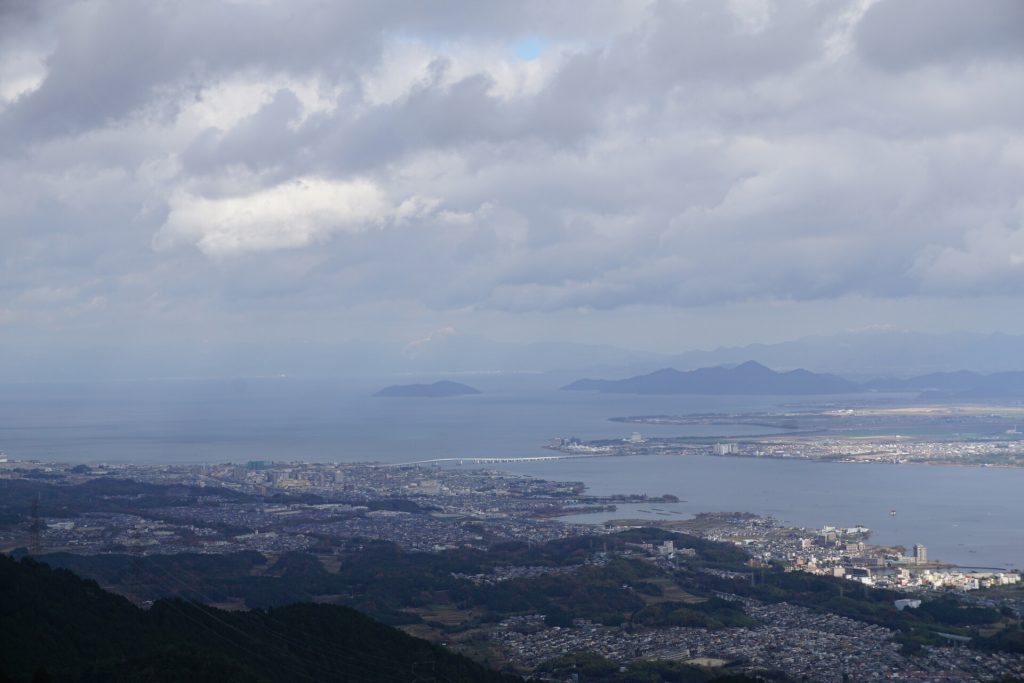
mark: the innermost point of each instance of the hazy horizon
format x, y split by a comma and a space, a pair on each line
188, 179
864, 354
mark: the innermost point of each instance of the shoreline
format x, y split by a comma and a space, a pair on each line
694, 524
835, 461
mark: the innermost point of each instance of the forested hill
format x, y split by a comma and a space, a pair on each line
56, 626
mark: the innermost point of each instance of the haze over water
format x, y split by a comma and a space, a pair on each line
963, 515
280, 419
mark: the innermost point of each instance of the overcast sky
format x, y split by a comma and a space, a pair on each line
658, 175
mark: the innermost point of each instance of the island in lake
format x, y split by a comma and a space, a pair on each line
442, 389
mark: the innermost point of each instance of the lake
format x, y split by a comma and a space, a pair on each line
274, 419
965, 515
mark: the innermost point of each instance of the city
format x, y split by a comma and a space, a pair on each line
282, 510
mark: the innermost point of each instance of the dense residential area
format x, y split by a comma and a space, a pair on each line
478, 560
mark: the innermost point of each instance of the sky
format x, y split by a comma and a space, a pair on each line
654, 175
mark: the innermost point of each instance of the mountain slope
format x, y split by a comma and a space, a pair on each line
749, 378
53, 620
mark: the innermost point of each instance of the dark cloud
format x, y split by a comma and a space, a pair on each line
905, 34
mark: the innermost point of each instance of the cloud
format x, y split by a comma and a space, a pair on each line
907, 34
286, 216
989, 259
193, 161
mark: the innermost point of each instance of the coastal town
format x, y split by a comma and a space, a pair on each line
276, 509
287, 506
949, 434
281, 507
839, 552
891, 449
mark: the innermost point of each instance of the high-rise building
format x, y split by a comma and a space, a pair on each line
920, 554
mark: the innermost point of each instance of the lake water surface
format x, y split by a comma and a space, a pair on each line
321, 421
966, 515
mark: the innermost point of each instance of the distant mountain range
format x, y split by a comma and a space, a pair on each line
748, 378
961, 384
872, 353
752, 378
442, 389
864, 355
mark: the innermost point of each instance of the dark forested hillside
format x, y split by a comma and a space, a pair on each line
56, 626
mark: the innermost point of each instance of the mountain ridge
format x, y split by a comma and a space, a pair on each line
748, 378
753, 378
873, 353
